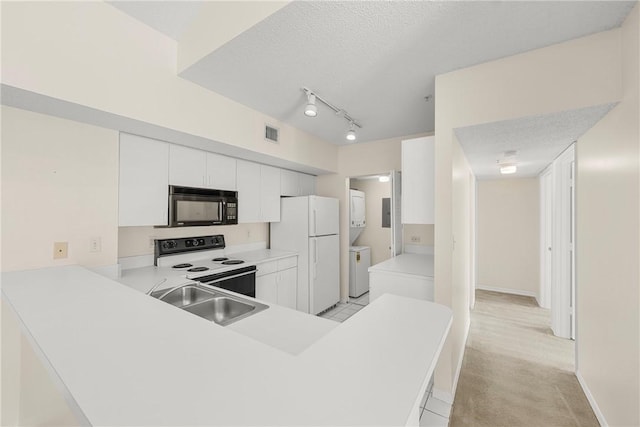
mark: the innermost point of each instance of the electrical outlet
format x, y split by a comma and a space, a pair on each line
415, 239
60, 250
95, 244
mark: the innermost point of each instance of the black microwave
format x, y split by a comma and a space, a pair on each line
201, 206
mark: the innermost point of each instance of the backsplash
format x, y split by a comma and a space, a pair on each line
134, 241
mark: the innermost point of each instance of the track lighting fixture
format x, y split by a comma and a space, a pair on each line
351, 135
311, 110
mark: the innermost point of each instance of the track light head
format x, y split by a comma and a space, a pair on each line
311, 110
351, 135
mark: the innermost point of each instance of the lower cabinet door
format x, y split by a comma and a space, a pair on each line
287, 287
267, 288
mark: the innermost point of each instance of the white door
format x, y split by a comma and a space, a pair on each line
546, 238
221, 172
396, 214
324, 215
324, 272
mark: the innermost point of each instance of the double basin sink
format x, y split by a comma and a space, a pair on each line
210, 303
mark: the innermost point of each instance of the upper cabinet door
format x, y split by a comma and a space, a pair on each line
418, 176
248, 183
143, 187
270, 193
289, 183
307, 184
221, 172
187, 167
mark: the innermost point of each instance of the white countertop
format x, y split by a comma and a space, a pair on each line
412, 264
128, 359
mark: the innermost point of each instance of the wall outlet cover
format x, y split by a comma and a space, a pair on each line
60, 250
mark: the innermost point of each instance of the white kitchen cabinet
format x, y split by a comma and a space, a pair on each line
258, 192
296, 184
276, 281
287, 285
267, 288
289, 183
221, 172
190, 167
408, 275
418, 176
307, 185
248, 183
187, 166
143, 186
269, 194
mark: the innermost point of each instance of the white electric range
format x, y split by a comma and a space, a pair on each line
196, 259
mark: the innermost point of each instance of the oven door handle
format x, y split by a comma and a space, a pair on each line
228, 277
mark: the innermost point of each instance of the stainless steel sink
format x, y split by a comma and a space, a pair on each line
184, 295
212, 304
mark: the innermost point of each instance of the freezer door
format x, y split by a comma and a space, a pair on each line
323, 212
324, 272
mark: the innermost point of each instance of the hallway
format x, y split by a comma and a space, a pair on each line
515, 372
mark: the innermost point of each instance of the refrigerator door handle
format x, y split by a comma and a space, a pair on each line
315, 259
315, 223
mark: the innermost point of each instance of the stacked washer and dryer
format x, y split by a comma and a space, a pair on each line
359, 256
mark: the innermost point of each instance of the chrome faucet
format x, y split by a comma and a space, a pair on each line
156, 286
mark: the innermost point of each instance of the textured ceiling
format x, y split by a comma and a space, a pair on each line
378, 59
538, 140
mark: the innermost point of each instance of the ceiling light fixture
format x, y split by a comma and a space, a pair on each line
311, 110
351, 135
507, 164
383, 178
508, 169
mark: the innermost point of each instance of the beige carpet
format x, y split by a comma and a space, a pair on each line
515, 372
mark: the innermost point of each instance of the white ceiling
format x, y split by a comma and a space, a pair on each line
378, 60
538, 140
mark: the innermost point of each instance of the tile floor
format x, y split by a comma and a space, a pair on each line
342, 311
434, 412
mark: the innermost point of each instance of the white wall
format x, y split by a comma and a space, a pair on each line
133, 241
92, 54
59, 184
570, 75
354, 160
508, 235
608, 248
374, 235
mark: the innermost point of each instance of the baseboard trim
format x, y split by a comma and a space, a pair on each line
592, 400
508, 291
446, 396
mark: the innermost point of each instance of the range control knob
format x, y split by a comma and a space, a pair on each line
169, 244
195, 242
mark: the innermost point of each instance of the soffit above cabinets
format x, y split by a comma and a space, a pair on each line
377, 60
537, 140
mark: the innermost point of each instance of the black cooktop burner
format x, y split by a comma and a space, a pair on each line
233, 262
198, 269
185, 265
222, 258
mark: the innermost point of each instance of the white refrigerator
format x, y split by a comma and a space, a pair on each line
309, 226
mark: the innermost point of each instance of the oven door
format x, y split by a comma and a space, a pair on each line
240, 280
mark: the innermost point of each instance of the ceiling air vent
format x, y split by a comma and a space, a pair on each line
271, 134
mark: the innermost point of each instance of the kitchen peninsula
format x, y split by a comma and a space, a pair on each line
125, 358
